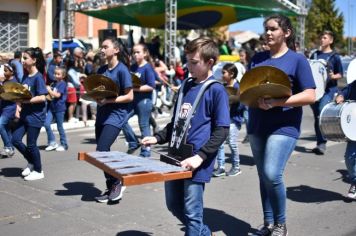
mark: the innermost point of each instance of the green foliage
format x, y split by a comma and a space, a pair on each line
323, 15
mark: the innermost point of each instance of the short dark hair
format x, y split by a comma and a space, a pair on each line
231, 68
328, 32
17, 54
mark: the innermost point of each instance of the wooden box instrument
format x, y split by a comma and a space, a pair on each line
133, 170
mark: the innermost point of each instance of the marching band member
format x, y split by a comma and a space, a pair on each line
142, 102
349, 93
334, 69
33, 114
208, 129
113, 113
274, 126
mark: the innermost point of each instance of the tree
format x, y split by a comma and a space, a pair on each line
322, 16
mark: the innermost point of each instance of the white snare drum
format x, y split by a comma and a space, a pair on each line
351, 72
337, 122
320, 75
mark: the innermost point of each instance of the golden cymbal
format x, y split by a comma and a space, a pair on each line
1, 88
234, 94
98, 95
264, 81
15, 97
15, 92
136, 82
99, 87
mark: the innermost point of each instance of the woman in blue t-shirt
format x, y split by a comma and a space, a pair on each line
274, 126
112, 113
33, 113
142, 103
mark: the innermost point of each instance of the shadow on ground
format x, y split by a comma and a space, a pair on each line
307, 194
133, 233
87, 190
219, 221
11, 172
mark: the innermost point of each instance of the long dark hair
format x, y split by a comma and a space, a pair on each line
123, 55
285, 23
36, 53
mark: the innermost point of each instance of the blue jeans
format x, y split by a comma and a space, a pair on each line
184, 198
105, 136
350, 160
5, 131
142, 109
235, 156
59, 117
31, 152
271, 154
316, 108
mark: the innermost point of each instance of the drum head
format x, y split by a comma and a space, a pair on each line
348, 120
320, 75
351, 72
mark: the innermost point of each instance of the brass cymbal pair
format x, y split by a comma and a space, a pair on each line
264, 82
12, 91
98, 87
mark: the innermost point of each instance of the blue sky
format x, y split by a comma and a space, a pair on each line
347, 7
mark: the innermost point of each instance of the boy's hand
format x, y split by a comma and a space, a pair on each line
148, 140
339, 99
192, 163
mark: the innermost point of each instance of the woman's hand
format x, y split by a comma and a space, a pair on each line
265, 103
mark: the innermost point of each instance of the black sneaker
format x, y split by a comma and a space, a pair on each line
280, 230
103, 198
219, 172
246, 139
234, 171
266, 230
116, 192
352, 192
132, 150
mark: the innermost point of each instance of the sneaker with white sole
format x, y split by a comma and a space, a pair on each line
61, 148
103, 198
51, 147
8, 151
116, 192
27, 170
34, 175
352, 192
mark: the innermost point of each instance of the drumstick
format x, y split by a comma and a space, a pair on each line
176, 161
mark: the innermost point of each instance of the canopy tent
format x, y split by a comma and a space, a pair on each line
197, 14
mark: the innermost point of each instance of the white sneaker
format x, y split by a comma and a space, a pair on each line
51, 147
60, 148
34, 175
27, 170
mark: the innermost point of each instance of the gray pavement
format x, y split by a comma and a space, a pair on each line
62, 203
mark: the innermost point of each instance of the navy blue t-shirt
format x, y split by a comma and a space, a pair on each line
34, 114
236, 110
349, 92
59, 104
147, 76
333, 64
8, 108
212, 111
282, 120
115, 114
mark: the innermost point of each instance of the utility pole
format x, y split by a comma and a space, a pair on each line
170, 34
61, 24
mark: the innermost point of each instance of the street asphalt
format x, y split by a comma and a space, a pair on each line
62, 203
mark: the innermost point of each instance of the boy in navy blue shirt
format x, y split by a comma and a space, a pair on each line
349, 93
208, 129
